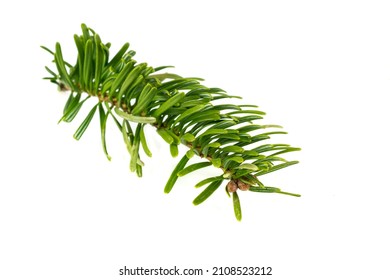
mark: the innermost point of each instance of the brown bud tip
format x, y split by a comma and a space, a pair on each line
231, 186
242, 186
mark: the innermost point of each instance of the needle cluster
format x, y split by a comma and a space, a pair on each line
182, 110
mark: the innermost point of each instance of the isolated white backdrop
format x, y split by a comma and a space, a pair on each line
319, 68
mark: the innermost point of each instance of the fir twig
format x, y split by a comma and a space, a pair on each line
182, 110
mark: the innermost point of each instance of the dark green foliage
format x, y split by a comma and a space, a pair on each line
182, 111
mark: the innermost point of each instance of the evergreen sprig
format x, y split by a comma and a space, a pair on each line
182, 110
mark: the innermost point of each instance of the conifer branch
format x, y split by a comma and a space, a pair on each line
182, 110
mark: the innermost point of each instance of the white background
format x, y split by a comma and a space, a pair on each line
319, 68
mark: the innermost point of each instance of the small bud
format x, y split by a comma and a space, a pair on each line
243, 186
231, 186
